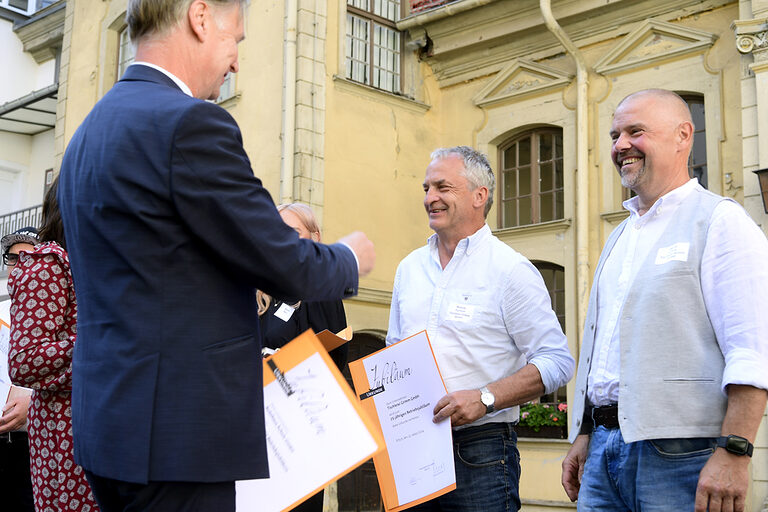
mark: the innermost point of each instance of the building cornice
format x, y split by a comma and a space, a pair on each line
475, 38
43, 33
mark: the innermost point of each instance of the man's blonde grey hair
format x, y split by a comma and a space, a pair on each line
151, 17
477, 169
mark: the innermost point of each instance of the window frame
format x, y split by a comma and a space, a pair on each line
373, 20
535, 194
123, 41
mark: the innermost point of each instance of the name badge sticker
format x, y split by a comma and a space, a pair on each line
675, 252
284, 312
460, 312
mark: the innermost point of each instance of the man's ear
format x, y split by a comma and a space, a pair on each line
479, 197
685, 132
199, 17
314, 236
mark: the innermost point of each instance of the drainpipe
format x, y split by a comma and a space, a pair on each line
288, 135
582, 160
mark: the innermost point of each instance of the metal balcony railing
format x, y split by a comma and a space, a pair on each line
10, 222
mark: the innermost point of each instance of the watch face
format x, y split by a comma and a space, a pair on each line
737, 445
486, 398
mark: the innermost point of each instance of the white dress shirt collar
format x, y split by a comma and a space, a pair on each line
468, 244
184, 87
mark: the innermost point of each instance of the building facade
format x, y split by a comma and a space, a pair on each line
30, 35
340, 103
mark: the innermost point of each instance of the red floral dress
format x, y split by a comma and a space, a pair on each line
43, 331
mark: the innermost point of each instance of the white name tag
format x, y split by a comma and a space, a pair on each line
284, 312
675, 252
460, 312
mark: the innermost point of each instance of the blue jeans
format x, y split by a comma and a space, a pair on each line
646, 476
487, 471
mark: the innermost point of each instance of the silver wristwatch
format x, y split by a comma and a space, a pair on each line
488, 400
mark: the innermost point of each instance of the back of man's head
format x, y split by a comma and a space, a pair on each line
153, 17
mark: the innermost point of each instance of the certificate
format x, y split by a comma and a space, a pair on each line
400, 385
316, 429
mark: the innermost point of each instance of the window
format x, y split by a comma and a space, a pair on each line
125, 53
22, 6
554, 280
531, 179
373, 44
697, 161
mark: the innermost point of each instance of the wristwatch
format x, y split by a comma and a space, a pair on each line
737, 445
488, 399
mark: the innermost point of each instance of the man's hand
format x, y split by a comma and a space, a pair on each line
14, 413
723, 483
363, 249
461, 406
573, 466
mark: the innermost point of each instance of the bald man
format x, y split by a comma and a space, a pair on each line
671, 384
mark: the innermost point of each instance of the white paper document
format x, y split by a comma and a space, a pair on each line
313, 436
5, 338
420, 451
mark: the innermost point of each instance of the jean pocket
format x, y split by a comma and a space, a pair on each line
683, 448
483, 452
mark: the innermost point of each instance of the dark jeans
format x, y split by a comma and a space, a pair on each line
117, 496
15, 481
487, 471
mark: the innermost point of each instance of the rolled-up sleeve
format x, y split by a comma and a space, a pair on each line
534, 328
734, 282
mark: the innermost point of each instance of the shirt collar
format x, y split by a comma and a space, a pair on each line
184, 87
670, 200
468, 244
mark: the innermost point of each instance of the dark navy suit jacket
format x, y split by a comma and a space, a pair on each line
169, 233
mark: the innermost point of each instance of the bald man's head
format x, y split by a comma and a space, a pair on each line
652, 135
677, 106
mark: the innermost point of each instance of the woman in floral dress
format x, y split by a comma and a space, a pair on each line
43, 331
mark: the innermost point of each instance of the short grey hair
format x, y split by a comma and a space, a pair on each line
149, 17
477, 170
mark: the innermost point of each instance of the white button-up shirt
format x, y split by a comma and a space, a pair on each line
734, 283
487, 314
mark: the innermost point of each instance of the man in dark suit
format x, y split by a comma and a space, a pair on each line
169, 234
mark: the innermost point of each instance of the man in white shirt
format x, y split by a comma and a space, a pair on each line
671, 384
490, 321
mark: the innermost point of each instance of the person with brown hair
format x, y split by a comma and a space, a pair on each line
43, 332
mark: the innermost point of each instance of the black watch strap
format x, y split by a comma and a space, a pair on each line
736, 445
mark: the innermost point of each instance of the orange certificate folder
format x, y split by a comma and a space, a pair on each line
399, 387
317, 431
332, 341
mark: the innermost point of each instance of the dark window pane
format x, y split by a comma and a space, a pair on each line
560, 280
509, 157
545, 147
510, 214
558, 146
699, 152
559, 205
526, 211
510, 185
560, 302
558, 174
547, 207
546, 181
524, 181
19, 4
525, 151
